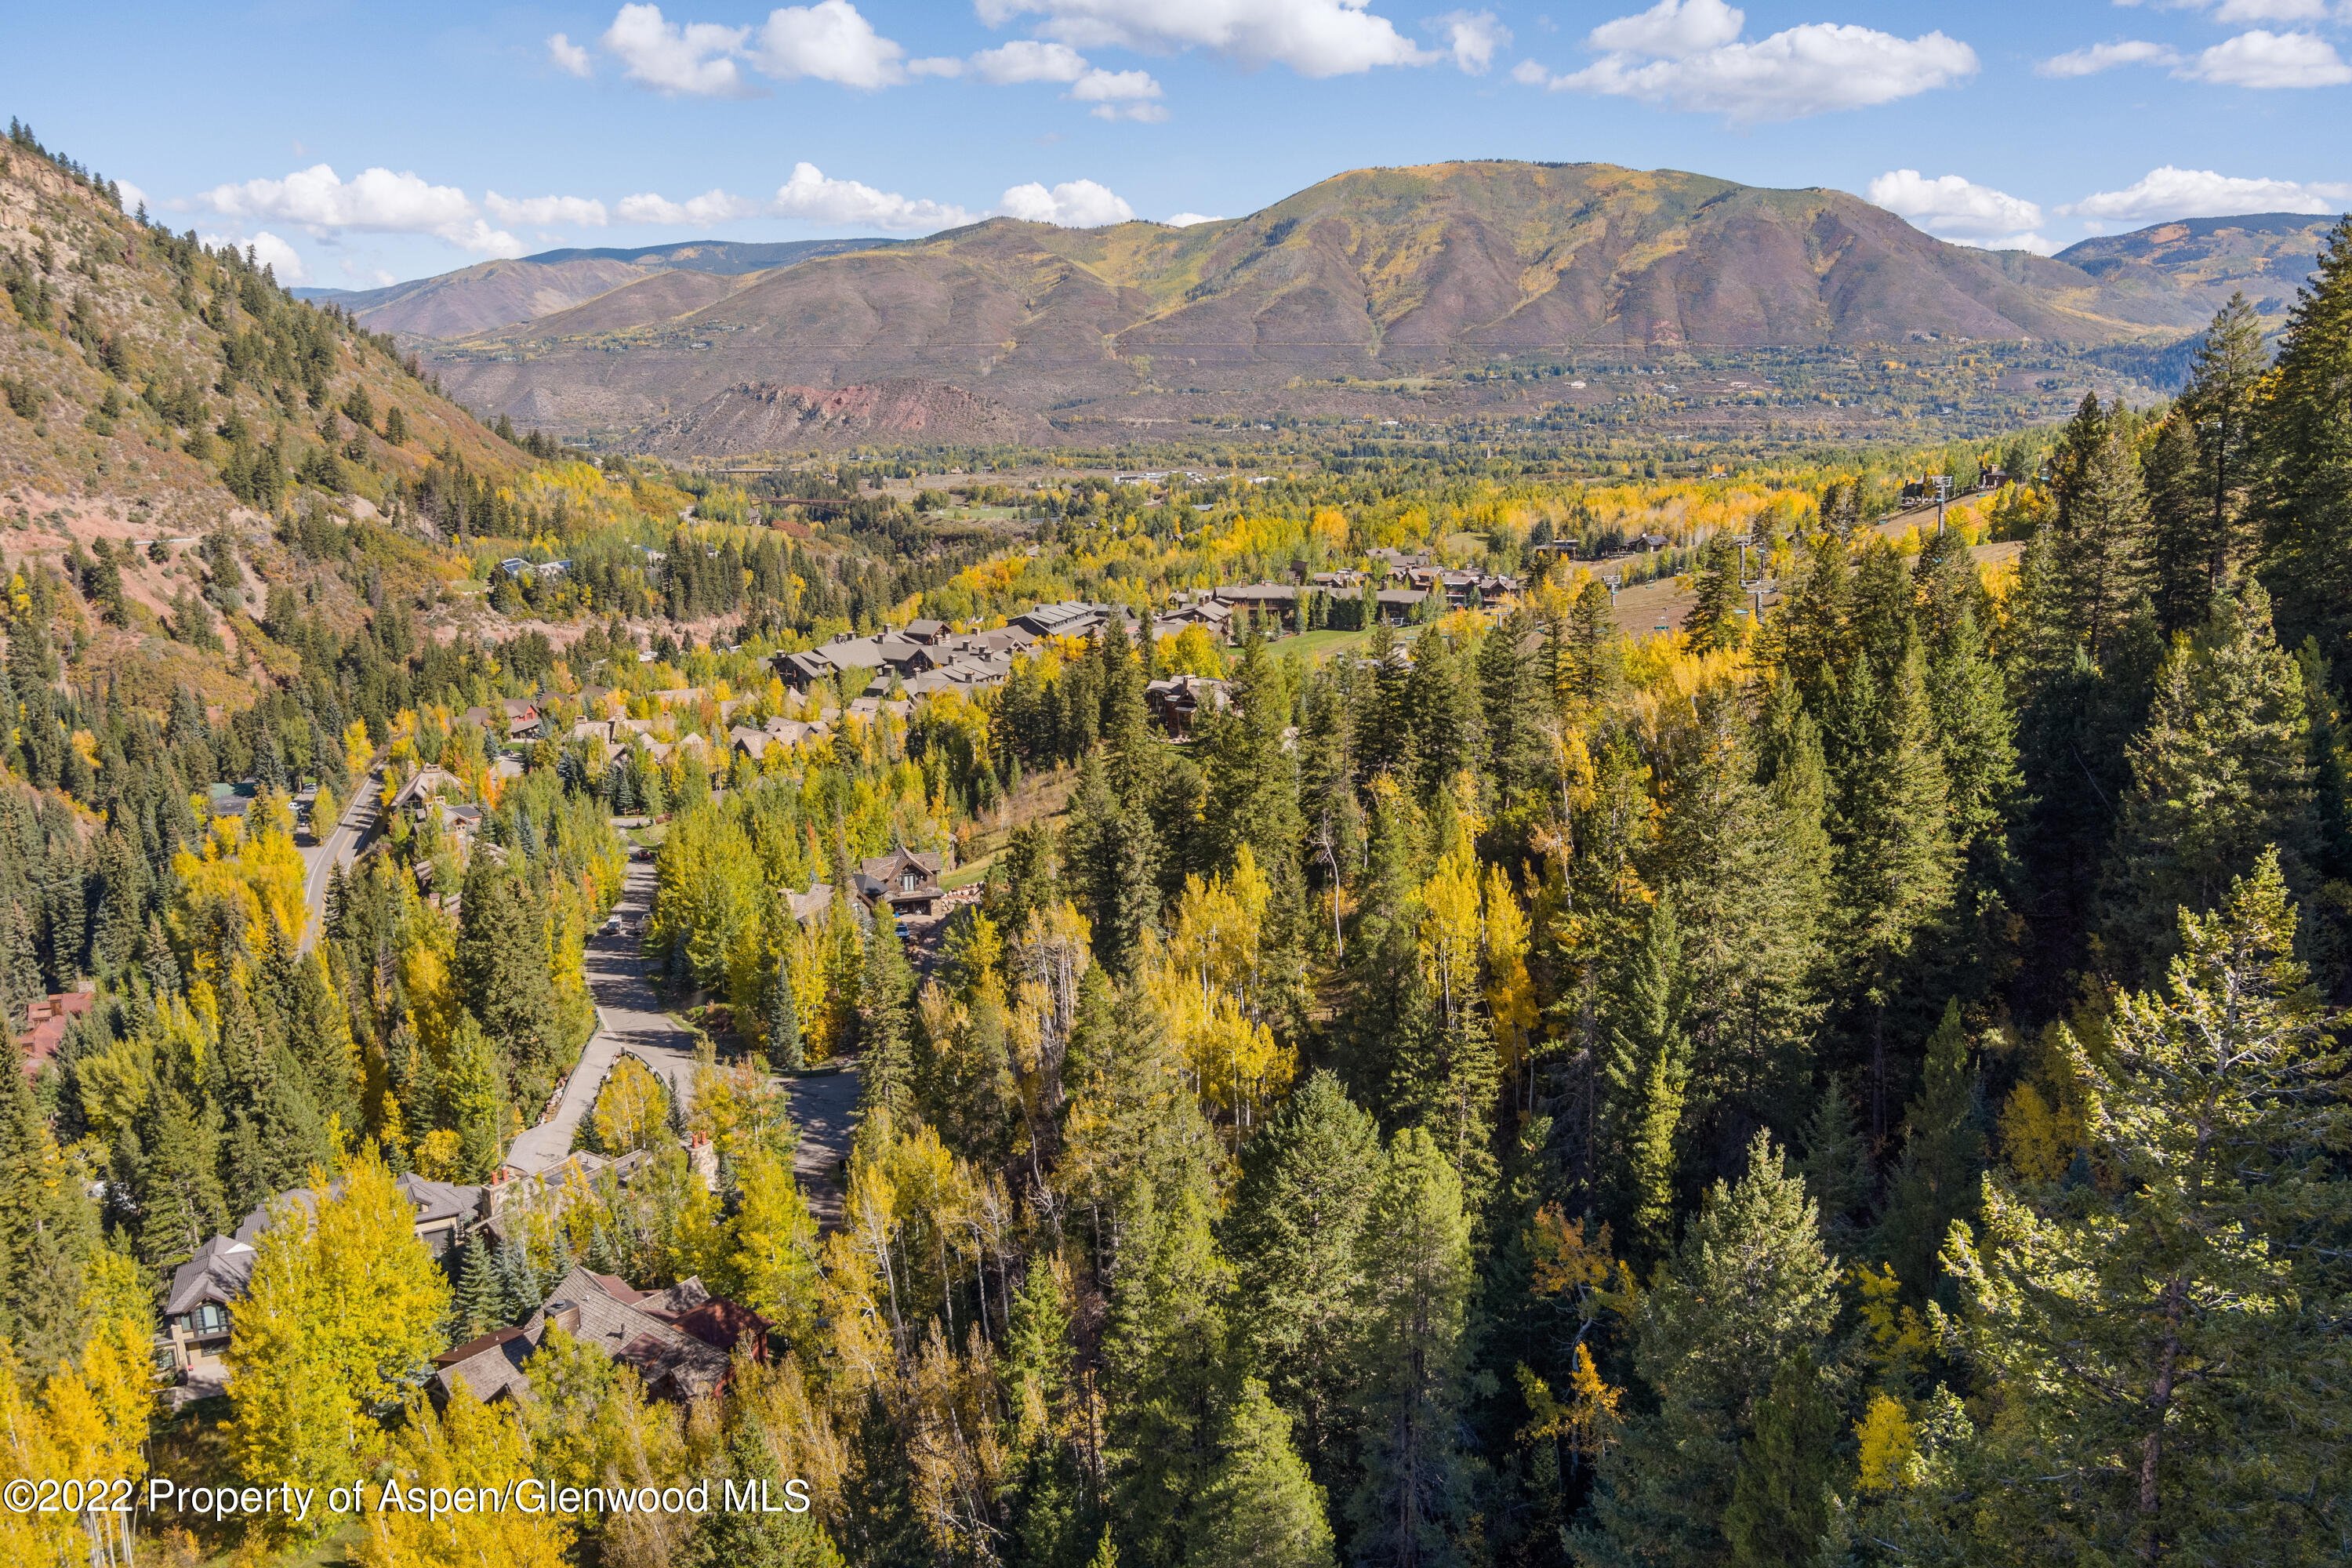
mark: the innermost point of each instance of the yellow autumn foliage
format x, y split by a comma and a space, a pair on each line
1890, 1447
245, 872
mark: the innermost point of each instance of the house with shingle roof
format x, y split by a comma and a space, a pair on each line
674, 1340
196, 1309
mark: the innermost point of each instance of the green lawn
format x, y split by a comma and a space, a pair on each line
1319, 644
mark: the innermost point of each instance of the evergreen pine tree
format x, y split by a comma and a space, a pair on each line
1112, 854
2221, 768
1749, 1287
1810, 637
1788, 1471
1260, 1508
1894, 846
886, 1066
481, 1300
1415, 1347
501, 966
1307, 1181
1513, 709
1746, 912
48, 1228
1938, 1178
1591, 637
1836, 1165
1164, 1372
2304, 456
2152, 1329
2101, 537
780, 1024
1884, 609
1713, 621
1646, 1071
2179, 554
2221, 403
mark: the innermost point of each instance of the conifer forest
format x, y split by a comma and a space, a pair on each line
1855, 1075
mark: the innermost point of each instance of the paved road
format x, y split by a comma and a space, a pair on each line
629, 1017
825, 1106
340, 847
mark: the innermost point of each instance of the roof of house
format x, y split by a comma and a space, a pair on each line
808, 906
1259, 594
1189, 690
218, 1272
722, 1324
430, 1202
882, 867
626, 1324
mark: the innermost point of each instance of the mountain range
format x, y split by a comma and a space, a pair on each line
493, 294
1364, 279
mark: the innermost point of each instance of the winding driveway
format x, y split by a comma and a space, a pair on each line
629, 1017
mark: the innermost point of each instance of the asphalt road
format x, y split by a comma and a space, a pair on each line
340, 847
629, 1017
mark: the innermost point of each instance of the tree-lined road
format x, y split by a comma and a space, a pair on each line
340, 847
629, 1017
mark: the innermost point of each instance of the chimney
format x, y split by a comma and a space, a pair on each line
565, 1315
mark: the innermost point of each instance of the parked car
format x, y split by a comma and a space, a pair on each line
613, 925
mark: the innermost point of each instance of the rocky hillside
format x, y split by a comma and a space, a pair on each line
2268, 255
169, 410
1370, 276
768, 418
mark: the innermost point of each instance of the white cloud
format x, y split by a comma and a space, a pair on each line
2257, 60
1672, 29
133, 196
1186, 220
1313, 37
377, 202
569, 57
1076, 204
280, 257
2264, 59
710, 206
2107, 57
2170, 193
695, 57
1116, 95
1472, 37
1119, 95
1951, 206
575, 212
1028, 59
1685, 54
809, 195
2233, 11
935, 65
1531, 73
831, 42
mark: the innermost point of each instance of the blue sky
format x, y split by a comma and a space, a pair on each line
359, 144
